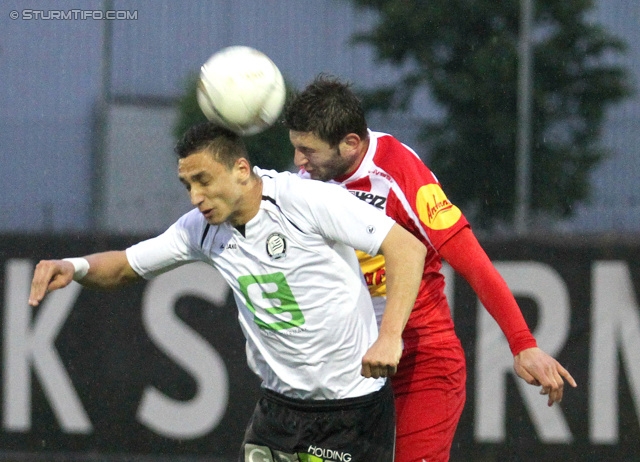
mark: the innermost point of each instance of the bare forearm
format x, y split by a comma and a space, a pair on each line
108, 270
404, 264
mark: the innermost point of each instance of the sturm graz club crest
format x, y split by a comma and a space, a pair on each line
276, 246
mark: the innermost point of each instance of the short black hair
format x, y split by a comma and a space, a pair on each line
223, 144
327, 108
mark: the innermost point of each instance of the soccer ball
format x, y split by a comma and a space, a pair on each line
241, 89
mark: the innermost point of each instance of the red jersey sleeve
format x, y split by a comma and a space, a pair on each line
466, 256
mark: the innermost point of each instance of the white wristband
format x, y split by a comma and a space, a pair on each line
80, 267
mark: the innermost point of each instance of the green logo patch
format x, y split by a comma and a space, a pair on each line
287, 305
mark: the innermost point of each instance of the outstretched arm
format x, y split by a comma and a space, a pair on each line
464, 253
106, 270
404, 260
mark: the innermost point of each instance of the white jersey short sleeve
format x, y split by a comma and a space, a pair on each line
302, 302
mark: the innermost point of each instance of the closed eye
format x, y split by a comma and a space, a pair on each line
201, 178
306, 151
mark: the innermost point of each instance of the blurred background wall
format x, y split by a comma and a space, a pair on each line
87, 106
87, 110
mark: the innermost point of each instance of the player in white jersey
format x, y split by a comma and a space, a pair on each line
285, 246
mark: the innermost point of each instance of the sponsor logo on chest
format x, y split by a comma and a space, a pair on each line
370, 198
372, 189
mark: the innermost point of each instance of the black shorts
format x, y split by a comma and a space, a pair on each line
347, 430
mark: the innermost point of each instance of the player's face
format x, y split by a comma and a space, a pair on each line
212, 187
318, 158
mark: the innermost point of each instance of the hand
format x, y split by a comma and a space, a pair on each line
537, 368
382, 358
49, 275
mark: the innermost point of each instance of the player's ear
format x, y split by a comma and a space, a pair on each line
350, 144
242, 167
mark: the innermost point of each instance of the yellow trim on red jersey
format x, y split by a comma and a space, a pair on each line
374, 273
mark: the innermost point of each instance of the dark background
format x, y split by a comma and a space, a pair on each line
110, 360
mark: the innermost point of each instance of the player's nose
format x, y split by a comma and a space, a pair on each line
196, 196
299, 159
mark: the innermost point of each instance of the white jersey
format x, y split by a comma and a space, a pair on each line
303, 304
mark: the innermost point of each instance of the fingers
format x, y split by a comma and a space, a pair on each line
49, 275
565, 373
39, 283
524, 375
554, 387
554, 391
382, 358
538, 368
377, 370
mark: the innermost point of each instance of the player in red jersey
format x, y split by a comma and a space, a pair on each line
332, 142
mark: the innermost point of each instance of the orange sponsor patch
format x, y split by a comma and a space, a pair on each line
434, 209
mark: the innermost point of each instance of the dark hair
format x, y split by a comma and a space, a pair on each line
328, 109
224, 145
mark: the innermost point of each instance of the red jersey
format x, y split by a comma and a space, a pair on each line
394, 179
